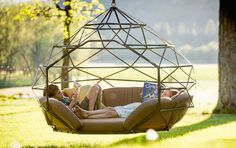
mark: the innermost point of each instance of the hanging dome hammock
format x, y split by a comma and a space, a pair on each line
119, 53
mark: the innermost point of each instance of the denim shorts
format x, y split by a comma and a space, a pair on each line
124, 111
84, 104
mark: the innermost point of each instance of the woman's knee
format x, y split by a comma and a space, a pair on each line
95, 88
109, 108
111, 112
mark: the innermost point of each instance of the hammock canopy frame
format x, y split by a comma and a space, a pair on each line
113, 50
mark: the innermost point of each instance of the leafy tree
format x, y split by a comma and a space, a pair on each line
20, 39
9, 41
69, 11
227, 57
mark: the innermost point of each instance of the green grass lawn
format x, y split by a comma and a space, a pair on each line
22, 124
206, 72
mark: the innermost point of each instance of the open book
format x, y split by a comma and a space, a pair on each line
149, 91
83, 92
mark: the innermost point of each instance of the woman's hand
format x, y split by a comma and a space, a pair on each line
76, 85
75, 94
72, 103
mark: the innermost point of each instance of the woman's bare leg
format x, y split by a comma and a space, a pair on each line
110, 113
79, 115
92, 96
107, 112
86, 113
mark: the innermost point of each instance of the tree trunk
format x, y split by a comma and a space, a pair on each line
65, 64
28, 65
36, 57
227, 57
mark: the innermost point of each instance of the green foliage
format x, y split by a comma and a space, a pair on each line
33, 10
22, 81
79, 12
28, 31
23, 43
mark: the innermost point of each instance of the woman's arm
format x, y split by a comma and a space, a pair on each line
72, 103
73, 99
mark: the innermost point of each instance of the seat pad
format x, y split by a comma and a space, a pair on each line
107, 125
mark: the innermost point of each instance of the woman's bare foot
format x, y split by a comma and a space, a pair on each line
81, 112
78, 115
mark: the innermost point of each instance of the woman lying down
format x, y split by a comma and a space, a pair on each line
117, 111
107, 112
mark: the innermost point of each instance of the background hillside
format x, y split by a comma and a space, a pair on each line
191, 25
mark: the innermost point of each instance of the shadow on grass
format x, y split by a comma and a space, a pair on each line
212, 121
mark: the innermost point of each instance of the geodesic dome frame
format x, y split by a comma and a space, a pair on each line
115, 49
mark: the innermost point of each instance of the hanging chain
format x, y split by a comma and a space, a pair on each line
113, 3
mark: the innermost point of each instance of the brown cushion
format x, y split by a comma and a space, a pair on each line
145, 112
140, 113
57, 124
119, 96
182, 102
107, 125
62, 111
